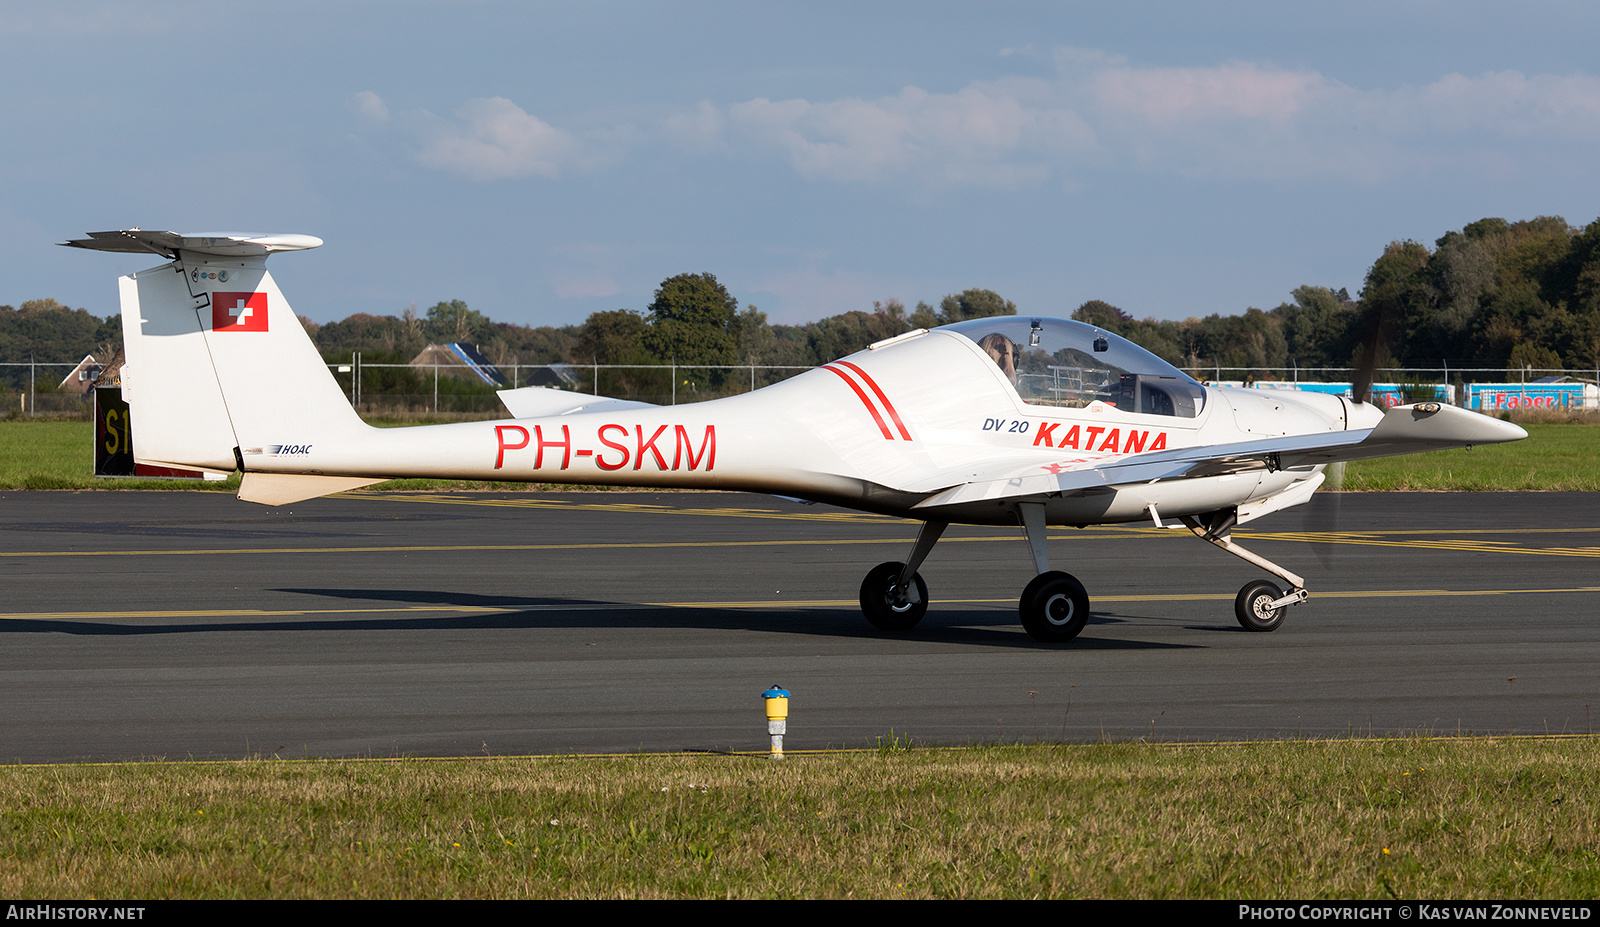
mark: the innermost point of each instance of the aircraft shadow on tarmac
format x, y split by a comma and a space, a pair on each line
988, 627
965, 627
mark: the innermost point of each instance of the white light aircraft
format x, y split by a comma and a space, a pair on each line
1007, 420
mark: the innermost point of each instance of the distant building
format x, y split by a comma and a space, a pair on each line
83, 377
460, 360
554, 376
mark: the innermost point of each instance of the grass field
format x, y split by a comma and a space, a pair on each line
1555, 457
1490, 818
57, 455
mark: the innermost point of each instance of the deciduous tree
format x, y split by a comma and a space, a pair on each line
690, 321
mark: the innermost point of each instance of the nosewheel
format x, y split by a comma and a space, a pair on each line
889, 607
1254, 608
1054, 607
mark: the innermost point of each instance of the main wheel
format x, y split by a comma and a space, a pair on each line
1253, 606
885, 603
1054, 607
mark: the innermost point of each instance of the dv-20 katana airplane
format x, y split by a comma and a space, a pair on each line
996, 421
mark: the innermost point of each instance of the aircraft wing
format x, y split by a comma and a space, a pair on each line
1402, 430
539, 401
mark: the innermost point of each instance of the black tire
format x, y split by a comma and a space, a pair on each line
1054, 607
1251, 606
882, 603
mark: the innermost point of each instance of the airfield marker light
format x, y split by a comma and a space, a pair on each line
777, 700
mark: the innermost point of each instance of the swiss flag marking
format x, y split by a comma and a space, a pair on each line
239, 312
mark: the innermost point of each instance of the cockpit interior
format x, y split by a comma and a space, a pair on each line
1058, 362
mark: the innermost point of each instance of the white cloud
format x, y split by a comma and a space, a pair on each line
1096, 112
700, 130
1236, 120
371, 107
980, 135
1176, 96
1514, 104
494, 139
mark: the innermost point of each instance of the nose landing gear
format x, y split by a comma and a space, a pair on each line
1260, 605
1253, 607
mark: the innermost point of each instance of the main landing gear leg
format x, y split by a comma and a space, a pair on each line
1260, 605
893, 596
1054, 606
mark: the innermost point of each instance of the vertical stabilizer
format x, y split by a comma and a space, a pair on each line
219, 369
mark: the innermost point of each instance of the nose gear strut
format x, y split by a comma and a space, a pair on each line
1260, 605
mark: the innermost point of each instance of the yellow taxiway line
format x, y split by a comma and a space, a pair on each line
1363, 540
441, 548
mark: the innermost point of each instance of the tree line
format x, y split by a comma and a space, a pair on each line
693, 320
1495, 294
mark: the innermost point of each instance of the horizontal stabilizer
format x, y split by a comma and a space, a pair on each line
211, 473
168, 244
541, 401
283, 488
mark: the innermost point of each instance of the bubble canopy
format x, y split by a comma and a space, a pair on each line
1057, 362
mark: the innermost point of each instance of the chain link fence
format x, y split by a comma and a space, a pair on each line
447, 391
1486, 389
411, 390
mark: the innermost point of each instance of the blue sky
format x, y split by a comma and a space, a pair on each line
543, 161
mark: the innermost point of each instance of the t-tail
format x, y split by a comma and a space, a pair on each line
218, 367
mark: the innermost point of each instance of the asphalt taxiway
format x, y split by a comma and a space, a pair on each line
179, 625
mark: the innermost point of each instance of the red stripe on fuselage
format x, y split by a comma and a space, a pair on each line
887, 405
863, 397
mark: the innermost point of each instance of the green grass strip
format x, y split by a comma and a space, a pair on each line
1553, 458
1421, 817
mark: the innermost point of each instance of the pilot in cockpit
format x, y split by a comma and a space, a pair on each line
1003, 352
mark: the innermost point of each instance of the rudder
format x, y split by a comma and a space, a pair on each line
174, 401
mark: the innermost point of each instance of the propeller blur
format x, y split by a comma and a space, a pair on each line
1008, 420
